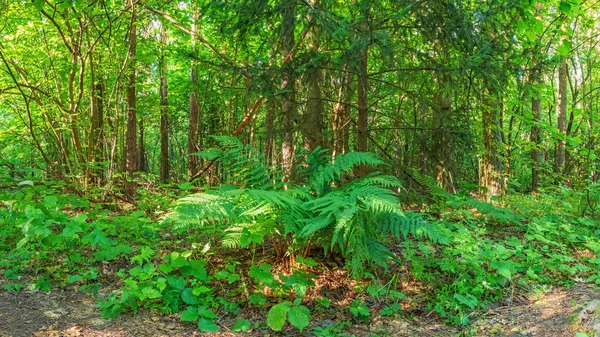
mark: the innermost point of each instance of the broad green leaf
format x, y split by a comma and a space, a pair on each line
50, 200
324, 301
277, 315
257, 299
201, 290
207, 325
241, 325
190, 314
188, 297
299, 317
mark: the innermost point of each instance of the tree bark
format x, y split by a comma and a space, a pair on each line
130, 136
288, 86
312, 121
490, 171
164, 113
341, 125
536, 108
442, 139
96, 133
194, 118
561, 116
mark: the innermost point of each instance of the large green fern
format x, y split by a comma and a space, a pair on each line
327, 207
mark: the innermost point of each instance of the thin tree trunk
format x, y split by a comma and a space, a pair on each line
561, 116
164, 113
536, 108
194, 118
96, 133
312, 121
130, 137
288, 86
142, 158
442, 139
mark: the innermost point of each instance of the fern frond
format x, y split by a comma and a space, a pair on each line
347, 162
376, 178
200, 209
312, 225
501, 214
401, 225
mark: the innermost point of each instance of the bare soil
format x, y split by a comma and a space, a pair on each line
68, 313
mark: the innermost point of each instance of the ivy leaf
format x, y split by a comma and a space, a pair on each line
277, 315
299, 317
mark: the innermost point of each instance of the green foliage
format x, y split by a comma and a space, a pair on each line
359, 310
329, 206
297, 314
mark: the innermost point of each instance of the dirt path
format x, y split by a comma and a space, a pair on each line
67, 313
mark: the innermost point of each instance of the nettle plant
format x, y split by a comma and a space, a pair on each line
326, 206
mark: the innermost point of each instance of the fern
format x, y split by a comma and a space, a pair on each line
329, 207
401, 225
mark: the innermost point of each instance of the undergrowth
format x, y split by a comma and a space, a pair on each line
259, 242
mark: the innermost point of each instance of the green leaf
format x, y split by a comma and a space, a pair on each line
206, 313
176, 283
201, 290
565, 7
198, 270
178, 262
468, 300
503, 267
74, 278
188, 297
50, 200
190, 314
299, 317
277, 315
257, 299
207, 325
324, 301
241, 325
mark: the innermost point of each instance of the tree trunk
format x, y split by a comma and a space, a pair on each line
536, 109
164, 113
561, 116
94, 173
142, 158
490, 171
442, 139
194, 119
341, 125
130, 136
312, 121
288, 86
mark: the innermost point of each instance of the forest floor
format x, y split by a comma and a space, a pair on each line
66, 312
